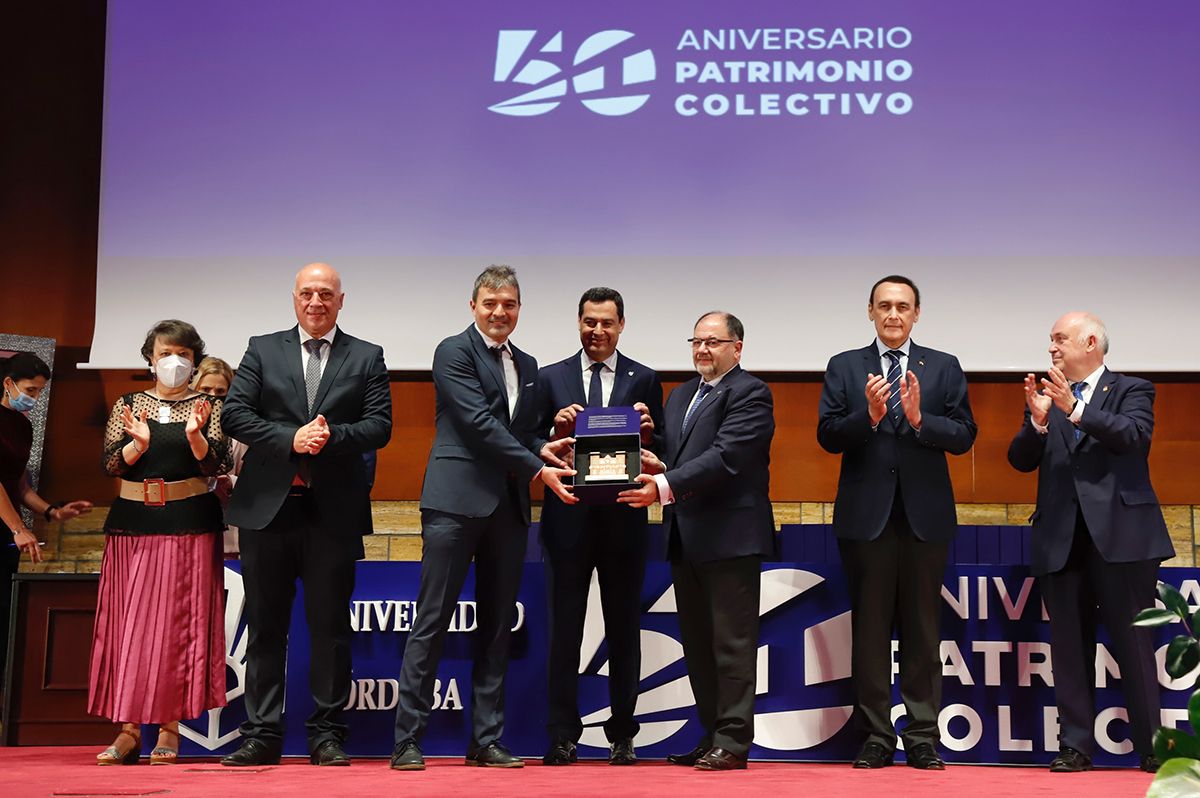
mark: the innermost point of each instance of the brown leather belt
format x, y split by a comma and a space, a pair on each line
157, 492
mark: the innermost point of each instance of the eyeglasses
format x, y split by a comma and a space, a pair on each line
709, 343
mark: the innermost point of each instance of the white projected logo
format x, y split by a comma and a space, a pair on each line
517, 62
826, 659
207, 730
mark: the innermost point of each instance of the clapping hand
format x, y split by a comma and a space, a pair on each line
312, 437
1058, 388
879, 390
136, 427
197, 418
1038, 402
910, 399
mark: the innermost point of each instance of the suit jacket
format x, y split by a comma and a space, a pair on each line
561, 384
875, 461
478, 448
268, 402
1105, 474
719, 469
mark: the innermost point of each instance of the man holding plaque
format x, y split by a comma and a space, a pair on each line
475, 506
609, 539
892, 410
713, 483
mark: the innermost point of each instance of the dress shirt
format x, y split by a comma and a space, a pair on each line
665, 494
325, 350
512, 384
608, 374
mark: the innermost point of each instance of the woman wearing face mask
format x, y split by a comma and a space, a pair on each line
24, 378
158, 648
213, 377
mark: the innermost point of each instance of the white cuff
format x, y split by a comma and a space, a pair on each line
665, 496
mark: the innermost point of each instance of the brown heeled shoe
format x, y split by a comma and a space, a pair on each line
113, 754
166, 754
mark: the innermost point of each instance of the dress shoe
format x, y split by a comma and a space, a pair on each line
1070, 761
923, 756
494, 755
1149, 763
873, 755
329, 753
720, 759
252, 752
621, 753
407, 756
690, 758
561, 752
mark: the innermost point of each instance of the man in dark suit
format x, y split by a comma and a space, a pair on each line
308, 402
714, 486
610, 539
475, 506
892, 410
1098, 532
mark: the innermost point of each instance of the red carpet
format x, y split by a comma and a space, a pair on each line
70, 772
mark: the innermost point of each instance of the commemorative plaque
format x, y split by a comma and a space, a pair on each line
608, 453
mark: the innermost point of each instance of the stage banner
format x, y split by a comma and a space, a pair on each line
998, 698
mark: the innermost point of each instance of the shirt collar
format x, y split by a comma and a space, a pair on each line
328, 337
884, 348
1093, 379
609, 362
492, 343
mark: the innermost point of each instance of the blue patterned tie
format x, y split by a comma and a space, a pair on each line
1077, 392
596, 388
700, 394
893, 378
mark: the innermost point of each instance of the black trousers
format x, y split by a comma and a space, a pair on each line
718, 622
896, 582
294, 547
617, 553
497, 545
1087, 589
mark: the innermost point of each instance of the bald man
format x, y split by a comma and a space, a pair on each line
1098, 531
308, 402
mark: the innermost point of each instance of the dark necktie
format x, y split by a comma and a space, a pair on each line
1077, 392
312, 372
893, 378
595, 387
700, 394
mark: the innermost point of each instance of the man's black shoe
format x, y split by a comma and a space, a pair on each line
873, 755
329, 753
561, 752
923, 756
720, 759
253, 752
690, 758
621, 753
407, 756
494, 755
1070, 761
1149, 763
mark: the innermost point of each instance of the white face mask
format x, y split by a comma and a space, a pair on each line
173, 371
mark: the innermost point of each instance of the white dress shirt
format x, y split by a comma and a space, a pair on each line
665, 494
511, 383
608, 375
325, 350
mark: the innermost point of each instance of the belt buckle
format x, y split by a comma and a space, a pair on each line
150, 487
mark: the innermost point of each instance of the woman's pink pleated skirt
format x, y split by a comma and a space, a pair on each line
158, 648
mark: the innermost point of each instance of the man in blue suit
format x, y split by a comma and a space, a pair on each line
892, 410
610, 539
475, 506
1098, 531
714, 485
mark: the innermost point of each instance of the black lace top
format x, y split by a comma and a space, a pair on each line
169, 457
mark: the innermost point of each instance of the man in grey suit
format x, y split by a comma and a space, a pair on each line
714, 485
1098, 531
893, 410
308, 402
475, 506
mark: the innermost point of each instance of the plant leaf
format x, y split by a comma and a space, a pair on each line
1183, 655
1174, 600
1177, 778
1171, 743
1154, 617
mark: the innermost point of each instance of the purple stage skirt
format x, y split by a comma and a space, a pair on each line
158, 648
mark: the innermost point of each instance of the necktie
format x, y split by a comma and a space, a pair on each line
312, 372
595, 388
700, 394
1077, 392
893, 378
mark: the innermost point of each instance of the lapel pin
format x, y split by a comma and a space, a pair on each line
920, 362
631, 374
1104, 389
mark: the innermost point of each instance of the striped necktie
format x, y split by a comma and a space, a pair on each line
1077, 392
700, 394
893, 378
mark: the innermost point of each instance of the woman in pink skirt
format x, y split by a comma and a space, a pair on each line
158, 649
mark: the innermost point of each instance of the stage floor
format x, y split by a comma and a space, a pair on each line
70, 772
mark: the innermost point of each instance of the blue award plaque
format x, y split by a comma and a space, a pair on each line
608, 453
